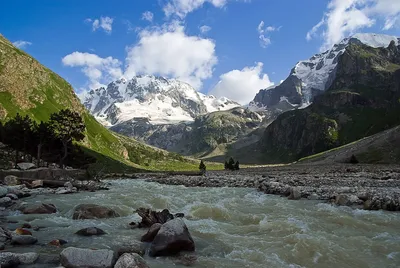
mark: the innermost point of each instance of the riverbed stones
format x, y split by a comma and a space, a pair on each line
133, 247
172, 238
27, 258
26, 166
11, 180
151, 233
78, 257
3, 191
12, 196
131, 260
42, 208
22, 239
8, 260
5, 235
295, 193
90, 231
36, 184
92, 211
5, 202
347, 200
150, 217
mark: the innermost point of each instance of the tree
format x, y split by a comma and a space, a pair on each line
202, 167
67, 126
236, 166
231, 164
43, 134
226, 165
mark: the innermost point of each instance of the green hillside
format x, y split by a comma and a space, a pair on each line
29, 88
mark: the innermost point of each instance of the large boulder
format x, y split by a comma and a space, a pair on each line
91, 211
131, 260
22, 239
40, 209
150, 217
26, 166
151, 234
5, 202
78, 257
27, 258
347, 200
8, 259
132, 247
11, 180
295, 194
90, 231
172, 238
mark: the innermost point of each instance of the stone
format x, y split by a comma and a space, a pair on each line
131, 260
346, 200
5, 235
12, 196
3, 191
132, 247
64, 191
42, 208
90, 231
151, 234
11, 180
21, 231
5, 202
68, 185
47, 259
77, 257
26, 166
27, 258
92, 211
295, 194
8, 259
150, 217
22, 239
2, 246
58, 242
26, 225
172, 238
37, 183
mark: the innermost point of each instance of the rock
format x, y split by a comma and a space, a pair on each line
12, 196
5, 235
64, 191
90, 231
133, 247
5, 202
172, 238
49, 259
27, 258
37, 183
179, 215
68, 185
40, 209
187, 259
11, 180
2, 246
22, 239
77, 257
21, 231
58, 242
26, 166
91, 211
131, 260
150, 217
346, 200
149, 236
26, 225
295, 194
17, 191
8, 259
3, 191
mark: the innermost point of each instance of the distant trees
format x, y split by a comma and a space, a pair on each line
202, 167
231, 164
24, 135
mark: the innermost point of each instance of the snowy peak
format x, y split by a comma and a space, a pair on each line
157, 99
373, 40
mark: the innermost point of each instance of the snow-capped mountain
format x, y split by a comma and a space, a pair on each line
310, 77
160, 100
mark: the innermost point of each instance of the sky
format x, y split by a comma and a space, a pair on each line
230, 48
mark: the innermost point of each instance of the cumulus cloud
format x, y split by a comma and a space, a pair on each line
21, 44
98, 70
265, 40
205, 29
169, 52
242, 85
346, 17
149, 16
104, 23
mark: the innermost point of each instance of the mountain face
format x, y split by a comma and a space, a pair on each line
314, 76
361, 98
160, 100
29, 88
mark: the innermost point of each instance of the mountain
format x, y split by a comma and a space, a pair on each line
160, 100
29, 88
357, 95
312, 77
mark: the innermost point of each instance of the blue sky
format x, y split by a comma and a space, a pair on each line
234, 58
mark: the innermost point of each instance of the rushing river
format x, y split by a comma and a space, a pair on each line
233, 227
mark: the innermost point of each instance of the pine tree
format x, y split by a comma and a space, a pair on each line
202, 166
43, 134
226, 165
231, 164
236, 167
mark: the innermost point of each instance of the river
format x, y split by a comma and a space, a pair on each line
232, 227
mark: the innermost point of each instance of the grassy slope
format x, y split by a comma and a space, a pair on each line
27, 87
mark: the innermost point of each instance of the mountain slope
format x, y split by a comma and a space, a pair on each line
27, 87
362, 99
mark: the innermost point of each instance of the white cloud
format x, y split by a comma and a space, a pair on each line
346, 17
169, 52
148, 16
21, 44
242, 85
104, 23
262, 30
98, 70
205, 29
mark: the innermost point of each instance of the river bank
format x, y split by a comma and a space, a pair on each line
371, 187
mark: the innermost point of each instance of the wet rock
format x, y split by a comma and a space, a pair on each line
68, 185
11, 180
91, 211
5, 235
22, 239
172, 238
179, 215
12, 196
26, 166
40, 209
90, 231
66, 190
131, 260
150, 217
186, 259
3, 191
26, 225
22, 231
295, 194
47, 259
346, 200
133, 247
8, 259
151, 234
18, 191
36, 184
5, 202
27, 258
58, 242
77, 257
